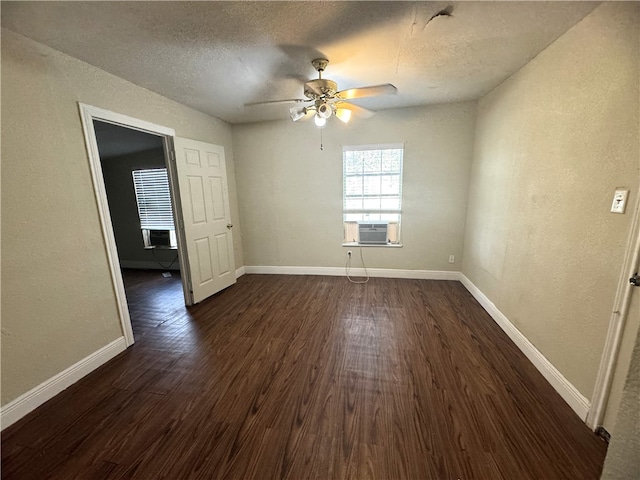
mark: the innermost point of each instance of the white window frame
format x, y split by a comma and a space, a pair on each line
351, 226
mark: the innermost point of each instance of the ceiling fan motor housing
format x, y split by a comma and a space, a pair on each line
328, 88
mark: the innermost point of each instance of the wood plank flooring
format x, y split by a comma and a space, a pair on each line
295, 377
152, 298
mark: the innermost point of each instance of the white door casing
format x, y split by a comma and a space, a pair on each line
204, 195
88, 114
617, 322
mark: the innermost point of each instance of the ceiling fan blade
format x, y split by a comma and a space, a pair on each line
374, 90
289, 100
359, 111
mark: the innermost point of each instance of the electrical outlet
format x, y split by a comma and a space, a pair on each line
349, 253
452, 259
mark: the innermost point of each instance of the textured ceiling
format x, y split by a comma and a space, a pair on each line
216, 56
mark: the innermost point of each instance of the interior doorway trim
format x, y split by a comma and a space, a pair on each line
621, 305
88, 114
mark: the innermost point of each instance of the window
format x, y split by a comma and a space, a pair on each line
372, 189
154, 207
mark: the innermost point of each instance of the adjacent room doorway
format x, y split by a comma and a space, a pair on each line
196, 178
134, 169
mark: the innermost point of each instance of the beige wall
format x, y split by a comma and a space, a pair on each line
58, 304
552, 144
291, 192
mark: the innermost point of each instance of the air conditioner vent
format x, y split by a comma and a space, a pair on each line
373, 232
159, 238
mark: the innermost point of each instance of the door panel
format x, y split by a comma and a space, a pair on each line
217, 193
196, 200
222, 241
202, 179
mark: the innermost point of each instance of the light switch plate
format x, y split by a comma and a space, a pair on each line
619, 201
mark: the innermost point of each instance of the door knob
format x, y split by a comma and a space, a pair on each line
229, 226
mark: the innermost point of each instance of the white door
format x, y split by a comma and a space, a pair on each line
204, 195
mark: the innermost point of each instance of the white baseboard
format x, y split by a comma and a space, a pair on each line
578, 402
240, 271
354, 272
29, 401
148, 265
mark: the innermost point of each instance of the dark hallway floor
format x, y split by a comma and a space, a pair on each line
152, 298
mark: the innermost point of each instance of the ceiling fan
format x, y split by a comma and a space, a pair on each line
325, 100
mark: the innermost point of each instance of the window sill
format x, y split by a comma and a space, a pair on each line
384, 245
161, 247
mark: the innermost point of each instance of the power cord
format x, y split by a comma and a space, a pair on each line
153, 251
347, 267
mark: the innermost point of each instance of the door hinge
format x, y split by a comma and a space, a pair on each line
635, 280
172, 155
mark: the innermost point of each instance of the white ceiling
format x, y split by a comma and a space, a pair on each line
216, 56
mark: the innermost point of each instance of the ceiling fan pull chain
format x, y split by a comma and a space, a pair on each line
321, 146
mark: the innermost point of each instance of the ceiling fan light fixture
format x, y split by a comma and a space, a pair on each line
343, 114
297, 113
325, 99
324, 110
319, 120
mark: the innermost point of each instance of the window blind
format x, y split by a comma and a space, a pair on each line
153, 198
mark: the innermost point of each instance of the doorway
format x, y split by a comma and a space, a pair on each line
165, 136
196, 179
134, 169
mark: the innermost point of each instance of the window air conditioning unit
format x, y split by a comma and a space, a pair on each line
159, 238
373, 232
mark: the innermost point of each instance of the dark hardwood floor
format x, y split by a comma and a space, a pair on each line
308, 377
152, 298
